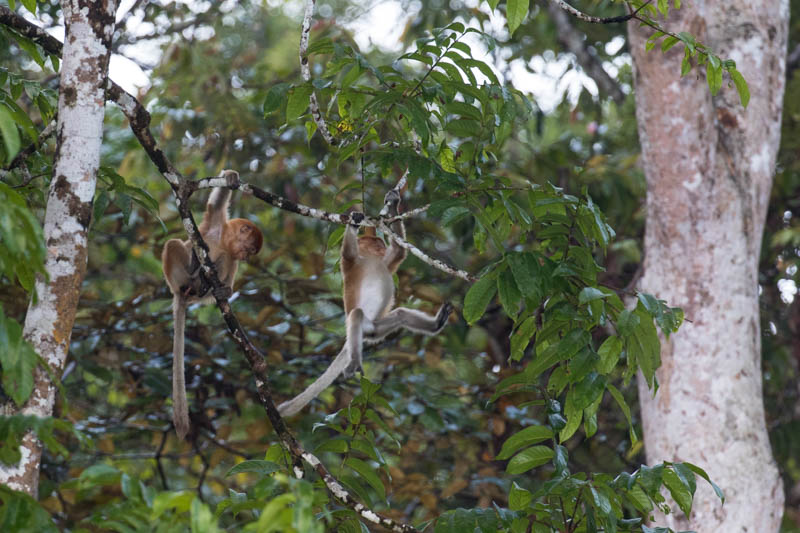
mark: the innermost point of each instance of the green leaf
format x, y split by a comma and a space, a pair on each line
8, 129
668, 43
741, 86
643, 345
454, 214
589, 294
518, 498
516, 11
463, 109
20, 512
526, 437
32, 49
574, 416
714, 74
686, 476
689, 40
663, 7
679, 491
589, 389
508, 293
276, 97
567, 347
25, 275
626, 410
639, 499
521, 338
530, 458
702, 473
180, 501
321, 46
609, 353
262, 468
369, 475
298, 100
478, 297
686, 64
18, 359
30, 5
527, 274
485, 69
492, 3
202, 520
601, 501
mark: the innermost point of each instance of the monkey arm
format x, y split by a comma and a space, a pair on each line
215, 216
350, 244
395, 254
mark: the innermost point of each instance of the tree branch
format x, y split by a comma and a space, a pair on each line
589, 18
573, 40
139, 120
26, 152
305, 70
344, 219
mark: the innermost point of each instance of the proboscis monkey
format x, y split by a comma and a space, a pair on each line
229, 241
368, 290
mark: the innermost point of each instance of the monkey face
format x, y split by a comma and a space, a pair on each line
246, 239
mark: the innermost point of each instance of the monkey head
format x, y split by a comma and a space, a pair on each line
244, 239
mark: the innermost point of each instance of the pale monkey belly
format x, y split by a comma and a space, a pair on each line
376, 294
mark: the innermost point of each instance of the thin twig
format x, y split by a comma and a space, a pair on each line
422, 256
305, 71
573, 40
139, 120
344, 219
589, 18
26, 152
159, 454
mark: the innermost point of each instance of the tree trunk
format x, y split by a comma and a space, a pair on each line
48, 323
709, 165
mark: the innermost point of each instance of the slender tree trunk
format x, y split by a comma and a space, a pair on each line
709, 165
48, 324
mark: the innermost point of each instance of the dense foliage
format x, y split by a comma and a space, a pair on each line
518, 417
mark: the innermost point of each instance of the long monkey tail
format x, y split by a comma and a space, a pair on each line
336, 367
180, 408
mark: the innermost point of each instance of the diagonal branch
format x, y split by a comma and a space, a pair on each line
26, 152
436, 263
139, 120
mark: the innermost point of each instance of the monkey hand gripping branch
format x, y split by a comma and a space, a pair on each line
368, 292
229, 241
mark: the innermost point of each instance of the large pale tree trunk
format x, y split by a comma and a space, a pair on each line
709, 166
48, 323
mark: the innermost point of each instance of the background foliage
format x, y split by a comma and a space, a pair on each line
440, 427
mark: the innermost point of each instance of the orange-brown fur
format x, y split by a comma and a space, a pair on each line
368, 292
229, 241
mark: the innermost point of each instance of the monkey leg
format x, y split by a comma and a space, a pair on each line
176, 260
410, 319
357, 325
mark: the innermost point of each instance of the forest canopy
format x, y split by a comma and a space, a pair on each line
509, 129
